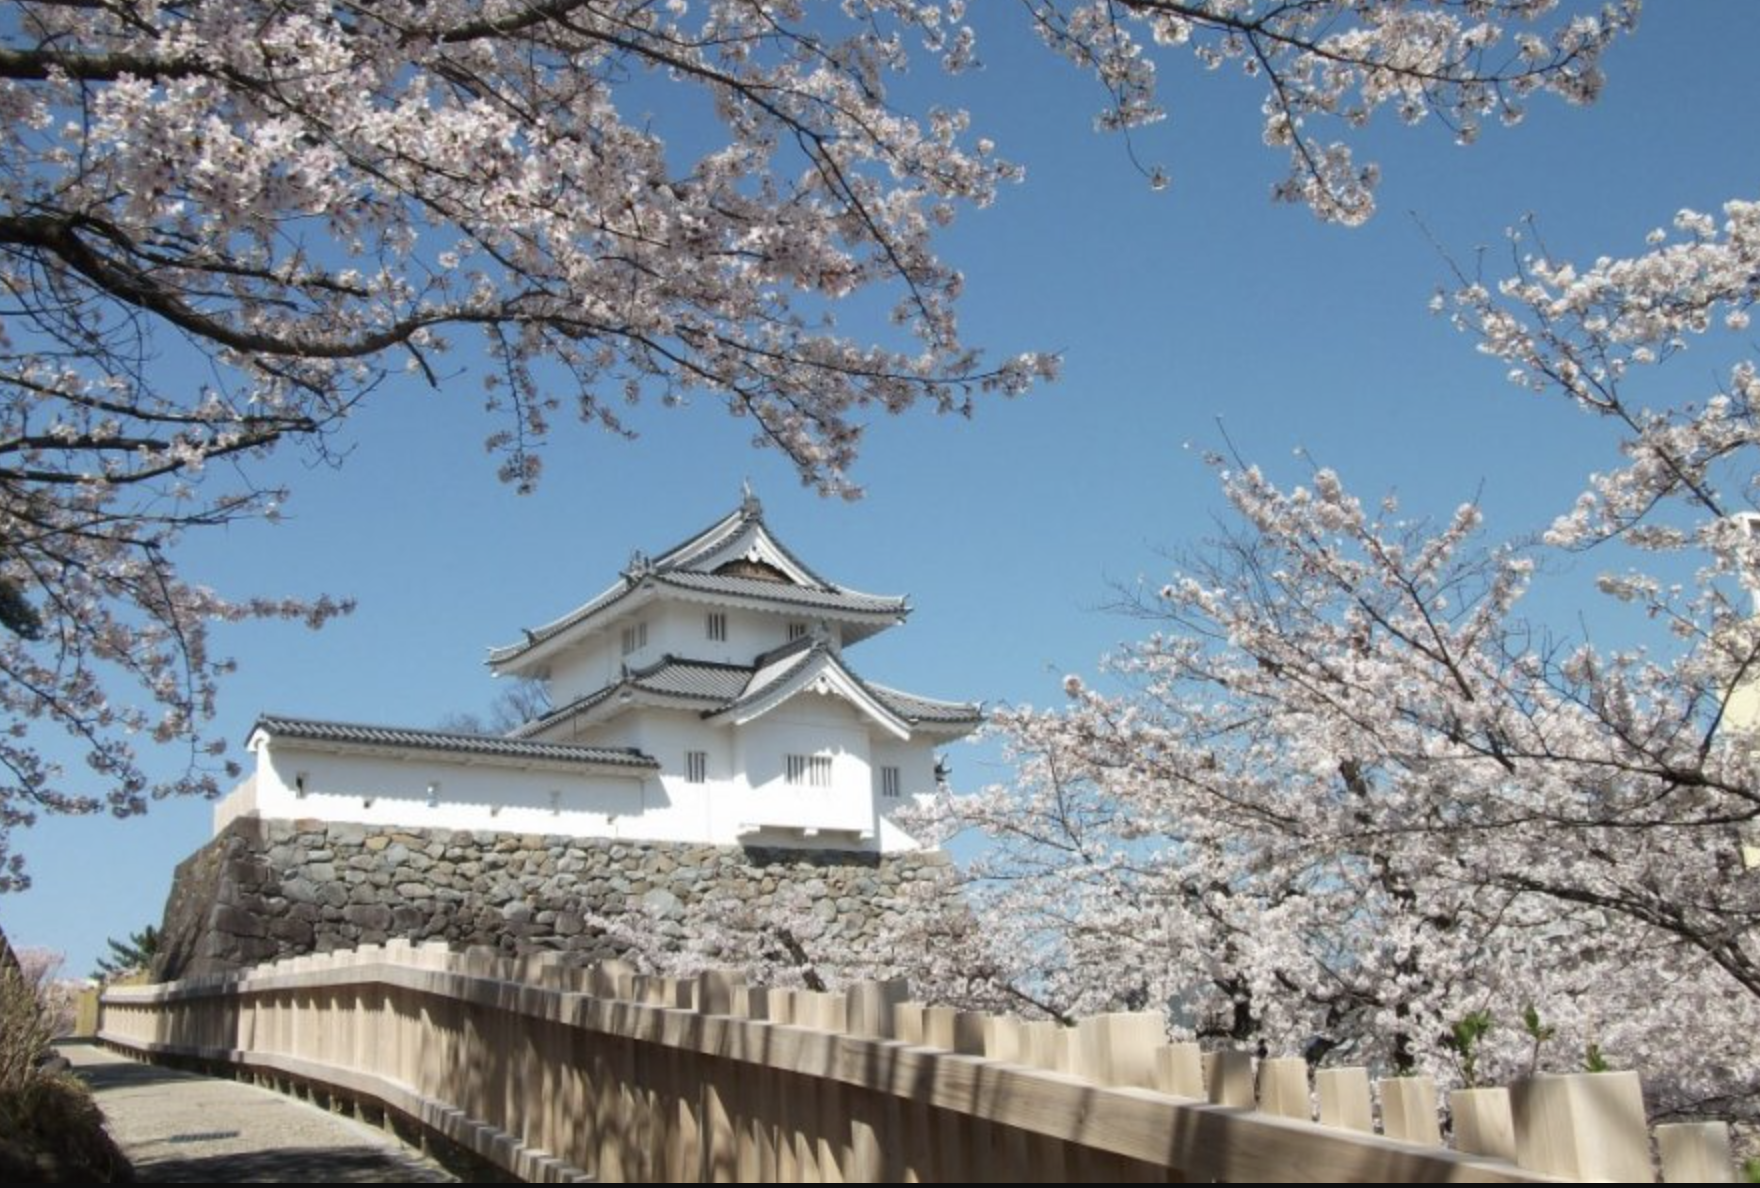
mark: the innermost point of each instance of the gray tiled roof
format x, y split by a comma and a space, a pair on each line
677, 568
912, 708
691, 553
837, 599
706, 541
358, 734
693, 678
771, 670
724, 687
698, 680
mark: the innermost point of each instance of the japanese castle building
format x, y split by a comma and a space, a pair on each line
705, 697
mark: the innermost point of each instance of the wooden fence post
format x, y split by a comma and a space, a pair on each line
1585, 1126
908, 1024
1229, 1075
1042, 1044
1179, 1069
1695, 1153
612, 980
872, 1007
1408, 1110
1483, 1123
1283, 1088
1119, 1048
1345, 1103
717, 990
1002, 1039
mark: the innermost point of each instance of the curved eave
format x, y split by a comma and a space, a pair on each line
948, 719
543, 642
860, 622
944, 728
715, 537
741, 533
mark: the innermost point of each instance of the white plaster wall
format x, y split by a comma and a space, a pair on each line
915, 761
681, 628
746, 784
677, 810
587, 666
376, 790
240, 802
750, 633
808, 724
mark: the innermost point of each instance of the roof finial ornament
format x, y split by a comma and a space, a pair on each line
638, 566
748, 503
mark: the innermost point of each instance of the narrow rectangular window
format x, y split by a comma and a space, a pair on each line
717, 625
796, 630
889, 782
696, 767
635, 638
808, 771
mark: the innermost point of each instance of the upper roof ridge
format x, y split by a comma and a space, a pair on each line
739, 535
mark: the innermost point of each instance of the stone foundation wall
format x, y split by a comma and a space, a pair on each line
265, 889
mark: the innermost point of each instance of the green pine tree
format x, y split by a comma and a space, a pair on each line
137, 952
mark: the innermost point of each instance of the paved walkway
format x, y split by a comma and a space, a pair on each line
179, 1128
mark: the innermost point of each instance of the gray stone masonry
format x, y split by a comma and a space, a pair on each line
265, 889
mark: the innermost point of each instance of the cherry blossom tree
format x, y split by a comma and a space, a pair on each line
1350, 797
781, 939
222, 225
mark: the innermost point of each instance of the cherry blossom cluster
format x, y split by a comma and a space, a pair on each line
1346, 794
223, 223
1333, 65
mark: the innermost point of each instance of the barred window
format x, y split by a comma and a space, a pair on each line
796, 630
717, 624
809, 771
696, 767
889, 782
635, 638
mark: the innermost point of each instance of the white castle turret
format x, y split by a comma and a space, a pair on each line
704, 697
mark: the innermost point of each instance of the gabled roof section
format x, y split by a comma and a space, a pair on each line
736, 561
355, 736
735, 694
815, 668
684, 684
739, 535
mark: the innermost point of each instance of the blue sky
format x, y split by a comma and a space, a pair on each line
1173, 310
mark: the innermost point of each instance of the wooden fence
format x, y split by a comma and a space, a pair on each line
559, 1074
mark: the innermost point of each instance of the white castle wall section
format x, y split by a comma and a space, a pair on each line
677, 809
682, 629
747, 785
915, 761
394, 790
809, 724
